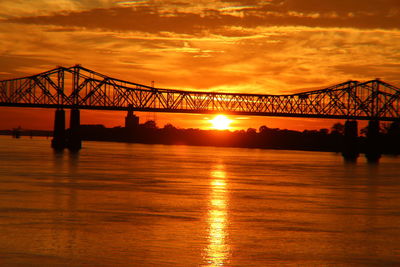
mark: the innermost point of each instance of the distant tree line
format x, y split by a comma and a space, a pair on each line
264, 137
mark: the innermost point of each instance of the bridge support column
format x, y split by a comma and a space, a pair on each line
58, 141
373, 151
74, 138
350, 145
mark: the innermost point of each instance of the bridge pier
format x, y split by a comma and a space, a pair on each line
373, 150
74, 142
350, 150
58, 141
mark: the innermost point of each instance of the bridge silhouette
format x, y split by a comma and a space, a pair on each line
78, 88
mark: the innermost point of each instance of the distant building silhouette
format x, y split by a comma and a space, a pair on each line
131, 121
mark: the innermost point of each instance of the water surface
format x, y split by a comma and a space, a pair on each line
151, 205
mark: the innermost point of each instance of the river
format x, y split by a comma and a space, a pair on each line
156, 205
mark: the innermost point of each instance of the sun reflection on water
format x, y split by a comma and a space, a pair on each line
217, 250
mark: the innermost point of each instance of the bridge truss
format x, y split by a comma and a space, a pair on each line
81, 88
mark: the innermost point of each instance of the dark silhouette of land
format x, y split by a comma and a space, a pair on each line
265, 137
18, 132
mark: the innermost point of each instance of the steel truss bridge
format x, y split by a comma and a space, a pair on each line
80, 88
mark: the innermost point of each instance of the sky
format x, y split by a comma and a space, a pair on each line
263, 47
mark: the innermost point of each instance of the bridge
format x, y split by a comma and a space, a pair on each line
78, 88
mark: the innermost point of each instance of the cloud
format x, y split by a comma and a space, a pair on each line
155, 18
21, 8
340, 6
268, 47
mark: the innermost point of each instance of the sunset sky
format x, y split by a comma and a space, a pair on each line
270, 46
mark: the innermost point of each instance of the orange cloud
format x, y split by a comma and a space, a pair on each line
266, 47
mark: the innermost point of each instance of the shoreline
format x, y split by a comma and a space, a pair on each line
115, 140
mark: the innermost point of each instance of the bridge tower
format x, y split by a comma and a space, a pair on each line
373, 149
58, 141
74, 142
373, 152
350, 150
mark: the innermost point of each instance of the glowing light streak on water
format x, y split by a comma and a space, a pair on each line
218, 248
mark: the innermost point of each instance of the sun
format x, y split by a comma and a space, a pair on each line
220, 122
